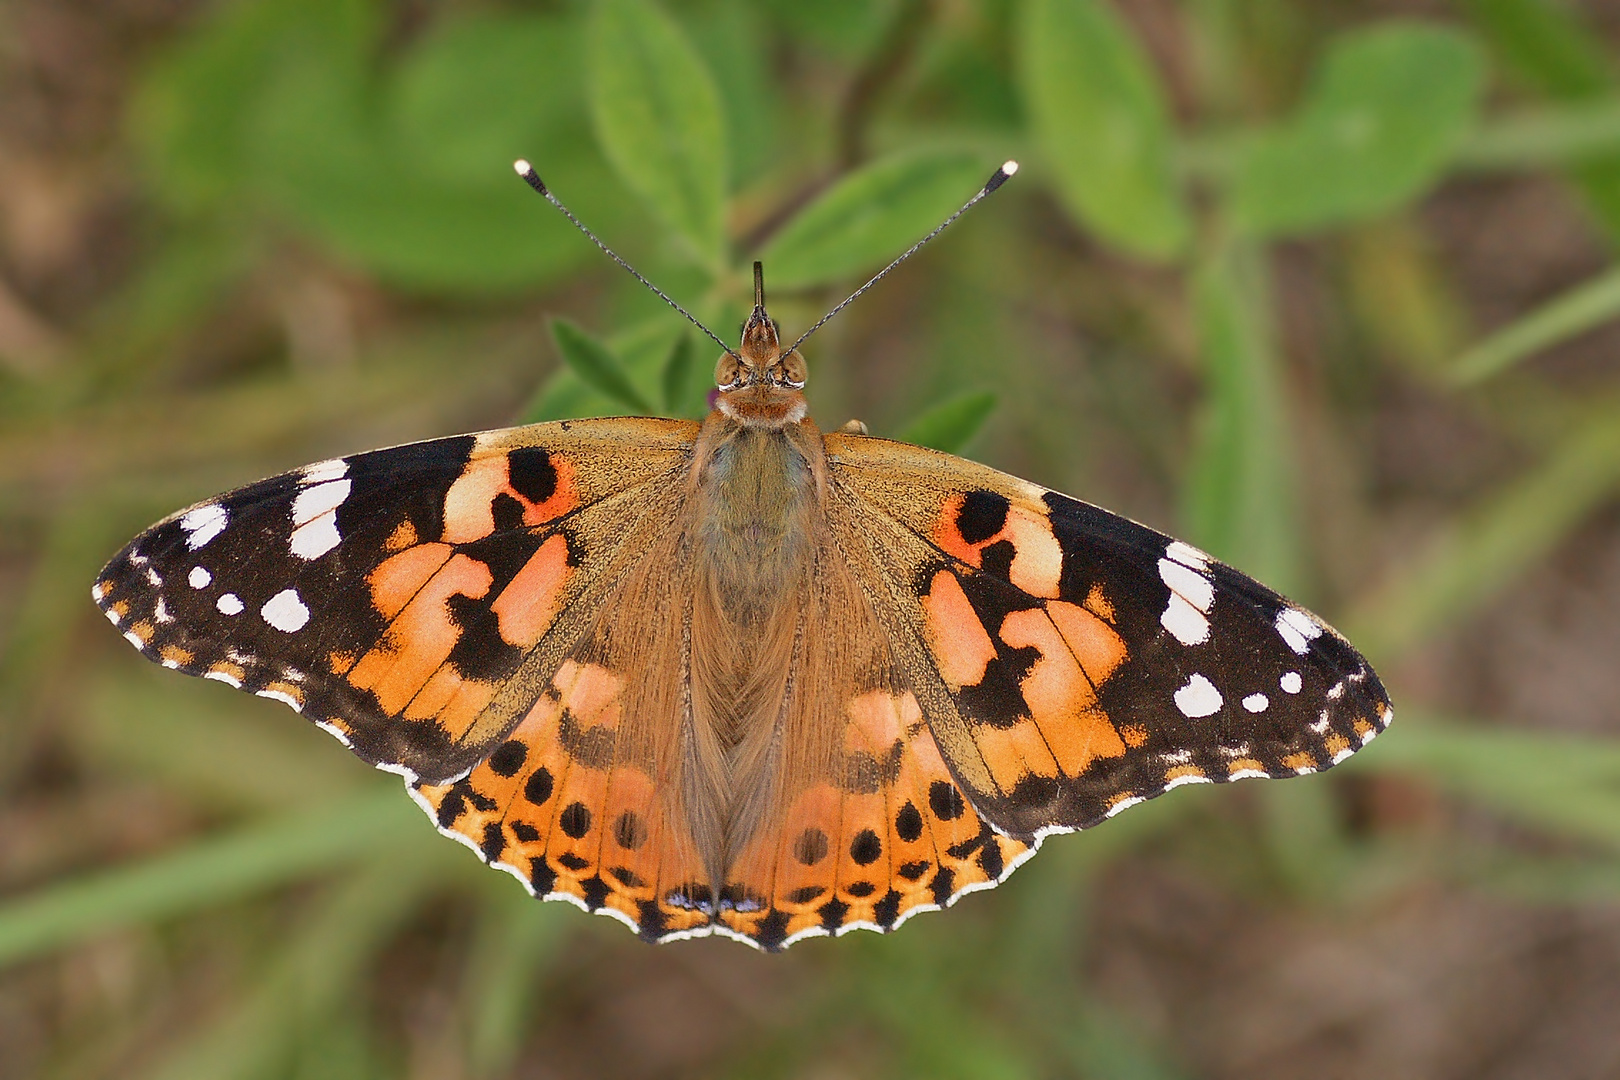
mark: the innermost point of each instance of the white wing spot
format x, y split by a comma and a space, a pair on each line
135, 639
285, 611
1198, 698
229, 604
315, 520
316, 538
97, 592
312, 502
1185, 622
322, 471
1256, 702
1187, 555
1191, 594
160, 612
199, 578
203, 523
1291, 682
1180, 780
1198, 590
1297, 628
224, 677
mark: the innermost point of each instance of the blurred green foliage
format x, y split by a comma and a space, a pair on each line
312, 151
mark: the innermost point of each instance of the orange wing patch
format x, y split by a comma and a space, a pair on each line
474, 502
408, 671
964, 532
554, 807
894, 836
1063, 652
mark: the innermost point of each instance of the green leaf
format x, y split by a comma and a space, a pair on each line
1381, 120
477, 92
677, 375
596, 365
658, 119
1101, 121
951, 424
327, 162
845, 29
192, 107
1240, 498
641, 349
1557, 52
871, 215
1548, 43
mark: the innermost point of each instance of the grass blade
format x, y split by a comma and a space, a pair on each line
1585, 307
1240, 496
1566, 783
1468, 564
516, 937
211, 871
311, 980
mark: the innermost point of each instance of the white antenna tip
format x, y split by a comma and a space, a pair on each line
523, 167
1008, 167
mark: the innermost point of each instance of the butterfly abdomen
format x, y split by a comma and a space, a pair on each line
753, 519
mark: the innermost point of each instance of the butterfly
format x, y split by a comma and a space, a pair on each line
741, 676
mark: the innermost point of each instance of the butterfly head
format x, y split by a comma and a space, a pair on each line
757, 385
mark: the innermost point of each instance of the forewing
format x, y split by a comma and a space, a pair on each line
1071, 663
413, 601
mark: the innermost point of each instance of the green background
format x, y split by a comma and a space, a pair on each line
1325, 289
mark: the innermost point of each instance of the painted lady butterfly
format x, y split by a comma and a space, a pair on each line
740, 677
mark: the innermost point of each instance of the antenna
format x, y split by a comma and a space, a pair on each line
532, 178
999, 177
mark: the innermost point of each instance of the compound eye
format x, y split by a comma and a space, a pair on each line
729, 372
790, 371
